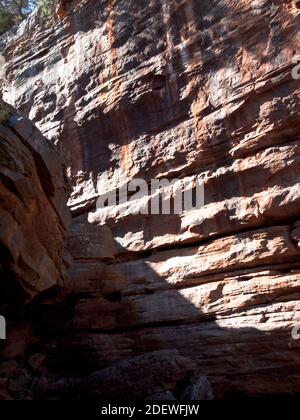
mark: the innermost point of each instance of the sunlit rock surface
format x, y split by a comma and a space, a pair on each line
174, 89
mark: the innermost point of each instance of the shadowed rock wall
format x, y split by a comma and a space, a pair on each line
34, 216
164, 89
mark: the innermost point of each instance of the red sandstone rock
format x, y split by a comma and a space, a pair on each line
189, 89
33, 213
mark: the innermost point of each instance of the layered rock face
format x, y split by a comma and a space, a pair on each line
174, 89
34, 216
33, 221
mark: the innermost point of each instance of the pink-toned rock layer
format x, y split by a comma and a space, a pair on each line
174, 89
33, 221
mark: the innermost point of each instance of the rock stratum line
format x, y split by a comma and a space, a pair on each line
156, 89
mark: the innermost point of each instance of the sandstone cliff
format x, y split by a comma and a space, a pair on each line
33, 221
165, 89
34, 215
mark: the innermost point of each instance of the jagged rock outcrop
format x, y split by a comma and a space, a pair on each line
165, 89
33, 212
33, 222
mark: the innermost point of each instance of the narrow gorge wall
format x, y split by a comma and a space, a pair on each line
34, 216
173, 89
33, 221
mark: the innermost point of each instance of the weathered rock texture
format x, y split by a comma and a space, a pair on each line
186, 89
33, 221
133, 379
33, 213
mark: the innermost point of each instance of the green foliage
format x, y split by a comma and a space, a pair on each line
13, 12
6, 20
9, 15
47, 8
4, 110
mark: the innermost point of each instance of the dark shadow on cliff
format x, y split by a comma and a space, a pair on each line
81, 333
